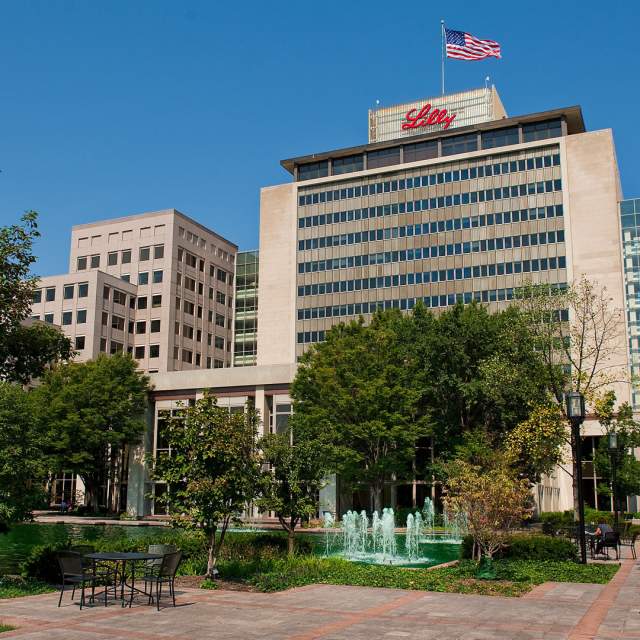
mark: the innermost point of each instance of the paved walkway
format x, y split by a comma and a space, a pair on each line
552, 611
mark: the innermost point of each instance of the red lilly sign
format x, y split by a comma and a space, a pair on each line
427, 117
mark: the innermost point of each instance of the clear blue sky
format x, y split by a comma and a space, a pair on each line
119, 107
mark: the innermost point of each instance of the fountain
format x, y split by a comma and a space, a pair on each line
375, 540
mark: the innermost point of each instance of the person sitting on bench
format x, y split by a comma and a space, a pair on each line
601, 531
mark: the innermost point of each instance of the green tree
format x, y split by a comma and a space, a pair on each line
93, 411
22, 463
627, 429
213, 470
25, 351
353, 390
298, 467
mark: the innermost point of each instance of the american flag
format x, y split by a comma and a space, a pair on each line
467, 47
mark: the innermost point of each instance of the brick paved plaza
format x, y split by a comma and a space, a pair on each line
551, 611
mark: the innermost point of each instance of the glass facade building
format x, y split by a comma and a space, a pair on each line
630, 223
246, 314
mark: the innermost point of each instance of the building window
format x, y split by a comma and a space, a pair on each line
189, 284
116, 347
144, 254
197, 360
139, 353
66, 317
50, 294
421, 151
187, 331
132, 302
187, 356
141, 327
201, 265
37, 296
67, 292
126, 256
383, 158
48, 317
119, 297
180, 254
220, 297
131, 326
158, 251
156, 301
177, 329
82, 263
105, 293
142, 302
125, 277
117, 322
79, 343
348, 164
218, 364
459, 144
105, 318
313, 170
143, 278
222, 275
154, 350
81, 316
35, 317
191, 260
541, 130
157, 277
95, 262
112, 259
83, 290
103, 345
499, 138
219, 342
219, 320
188, 307
155, 326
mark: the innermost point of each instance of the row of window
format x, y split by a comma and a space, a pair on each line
363, 308
191, 334
124, 256
431, 179
198, 263
434, 251
432, 149
452, 224
428, 204
68, 292
118, 347
186, 355
426, 277
139, 327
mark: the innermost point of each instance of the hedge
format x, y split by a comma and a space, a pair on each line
530, 547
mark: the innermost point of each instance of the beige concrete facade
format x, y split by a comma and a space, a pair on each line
178, 278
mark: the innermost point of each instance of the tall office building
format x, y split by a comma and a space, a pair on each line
158, 285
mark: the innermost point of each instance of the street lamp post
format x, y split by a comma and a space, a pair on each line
613, 453
576, 414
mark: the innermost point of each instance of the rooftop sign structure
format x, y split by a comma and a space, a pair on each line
435, 114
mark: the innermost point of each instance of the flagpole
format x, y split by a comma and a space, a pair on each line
442, 34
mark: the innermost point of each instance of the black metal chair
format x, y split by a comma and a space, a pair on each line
166, 573
75, 573
629, 541
610, 540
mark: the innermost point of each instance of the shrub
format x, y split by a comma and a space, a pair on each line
42, 564
530, 547
16, 587
554, 520
540, 547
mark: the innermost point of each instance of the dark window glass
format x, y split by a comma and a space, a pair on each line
126, 256
154, 350
79, 342
67, 317
144, 253
156, 301
83, 290
421, 151
499, 138
37, 296
313, 170
143, 278
95, 262
157, 277
139, 353
459, 144
383, 157
112, 259
82, 263
81, 316
48, 317
142, 302
67, 293
50, 294
541, 130
155, 326
158, 251
348, 164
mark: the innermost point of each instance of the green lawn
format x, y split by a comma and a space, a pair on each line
16, 587
6, 627
514, 577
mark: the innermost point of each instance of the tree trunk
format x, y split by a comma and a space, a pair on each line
376, 493
212, 558
291, 547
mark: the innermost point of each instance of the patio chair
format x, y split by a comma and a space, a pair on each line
152, 566
75, 573
166, 573
610, 540
629, 541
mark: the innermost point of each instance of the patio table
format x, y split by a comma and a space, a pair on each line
122, 558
